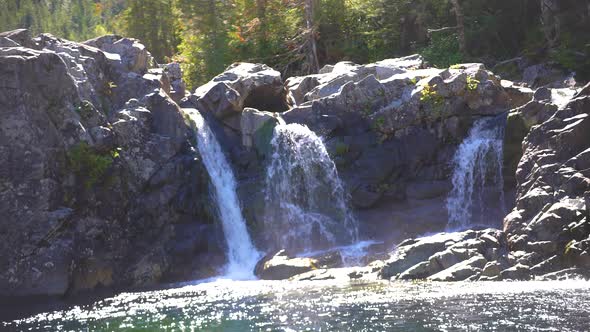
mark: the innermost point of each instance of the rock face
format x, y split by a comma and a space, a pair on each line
551, 213
444, 256
392, 128
99, 184
547, 234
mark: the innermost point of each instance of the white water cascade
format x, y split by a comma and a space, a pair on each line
477, 175
242, 255
306, 205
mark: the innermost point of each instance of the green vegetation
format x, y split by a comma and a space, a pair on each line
291, 36
85, 109
341, 149
431, 97
443, 51
472, 83
90, 166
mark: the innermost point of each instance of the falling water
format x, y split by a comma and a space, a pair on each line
242, 256
477, 167
306, 205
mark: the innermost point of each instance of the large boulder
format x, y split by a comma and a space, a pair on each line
241, 85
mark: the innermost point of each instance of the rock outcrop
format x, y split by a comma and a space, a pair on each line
547, 234
392, 128
99, 184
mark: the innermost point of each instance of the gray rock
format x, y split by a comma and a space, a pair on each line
257, 129
517, 272
280, 266
404, 257
462, 270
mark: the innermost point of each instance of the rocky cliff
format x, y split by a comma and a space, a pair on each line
99, 183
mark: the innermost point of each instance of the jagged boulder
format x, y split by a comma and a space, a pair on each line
551, 210
241, 85
133, 55
444, 256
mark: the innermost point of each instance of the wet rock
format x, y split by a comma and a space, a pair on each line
517, 272
419, 271
492, 269
406, 256
281, 266
462, 270
257, 129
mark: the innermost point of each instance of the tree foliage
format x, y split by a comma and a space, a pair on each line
208, 35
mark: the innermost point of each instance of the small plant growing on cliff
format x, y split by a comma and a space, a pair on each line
568, 247
341, 149
431, 97
378, 123
84, 109
472, 83
89, 165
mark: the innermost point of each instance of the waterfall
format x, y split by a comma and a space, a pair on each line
477, 171
242, 255
306, 205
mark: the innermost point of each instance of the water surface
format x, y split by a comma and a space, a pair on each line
327, 306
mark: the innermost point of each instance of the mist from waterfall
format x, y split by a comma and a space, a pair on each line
477, 169
306, 204
242, 255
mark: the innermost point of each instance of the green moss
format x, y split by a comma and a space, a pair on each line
89, 165
263, 136
568, 247
472, 83
85, 109
341, 149
378, 123
431, 97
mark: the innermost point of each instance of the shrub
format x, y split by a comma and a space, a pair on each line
341, 149
443, 51
431, 97
472, 83
89, 165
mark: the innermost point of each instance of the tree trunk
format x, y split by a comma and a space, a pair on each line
550, 21
262, 34
312, 53
460, 26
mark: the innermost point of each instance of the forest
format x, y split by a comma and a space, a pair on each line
299, 36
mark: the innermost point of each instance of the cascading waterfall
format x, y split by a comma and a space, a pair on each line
478, 166
306, 205
242, 255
